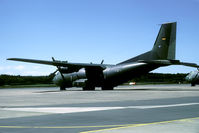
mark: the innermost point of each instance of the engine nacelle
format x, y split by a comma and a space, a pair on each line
64, 69
76, 79
193, 77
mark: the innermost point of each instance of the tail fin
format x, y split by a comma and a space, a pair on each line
164, 47
165, 44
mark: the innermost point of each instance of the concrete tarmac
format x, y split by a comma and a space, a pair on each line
139, 108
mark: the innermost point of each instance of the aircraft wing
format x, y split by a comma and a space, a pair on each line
76, 66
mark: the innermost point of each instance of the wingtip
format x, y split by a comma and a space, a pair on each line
10, 58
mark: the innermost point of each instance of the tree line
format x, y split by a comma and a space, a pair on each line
148, 78
162, 78
24, 80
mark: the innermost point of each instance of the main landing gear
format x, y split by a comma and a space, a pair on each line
107, 88
62, 88
193, 84
89, 87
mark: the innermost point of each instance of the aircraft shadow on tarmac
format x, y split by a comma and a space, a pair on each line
118, 90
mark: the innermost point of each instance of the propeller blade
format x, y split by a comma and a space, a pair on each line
58, 68
102, 61
53, 74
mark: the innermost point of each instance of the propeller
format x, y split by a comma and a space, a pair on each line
58, 69
51, 75
102, 61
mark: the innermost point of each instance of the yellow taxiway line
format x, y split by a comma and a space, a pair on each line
139, 125
107, 127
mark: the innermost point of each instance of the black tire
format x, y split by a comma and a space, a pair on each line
89, 88
107, 88
62, 88
193, 84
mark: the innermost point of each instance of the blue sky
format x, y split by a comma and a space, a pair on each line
91, 30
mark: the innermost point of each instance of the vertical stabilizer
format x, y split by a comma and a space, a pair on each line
165, 44
164, 47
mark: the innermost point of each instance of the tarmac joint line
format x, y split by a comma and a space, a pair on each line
59, 127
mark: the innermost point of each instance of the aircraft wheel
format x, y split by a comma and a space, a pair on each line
89, 88
193, 84
62, 88
107, 88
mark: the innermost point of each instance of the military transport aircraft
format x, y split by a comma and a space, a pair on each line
91, 75
193, 77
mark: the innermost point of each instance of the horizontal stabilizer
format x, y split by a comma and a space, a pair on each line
169, 62
189, 64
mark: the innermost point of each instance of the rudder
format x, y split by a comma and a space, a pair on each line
165, 44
